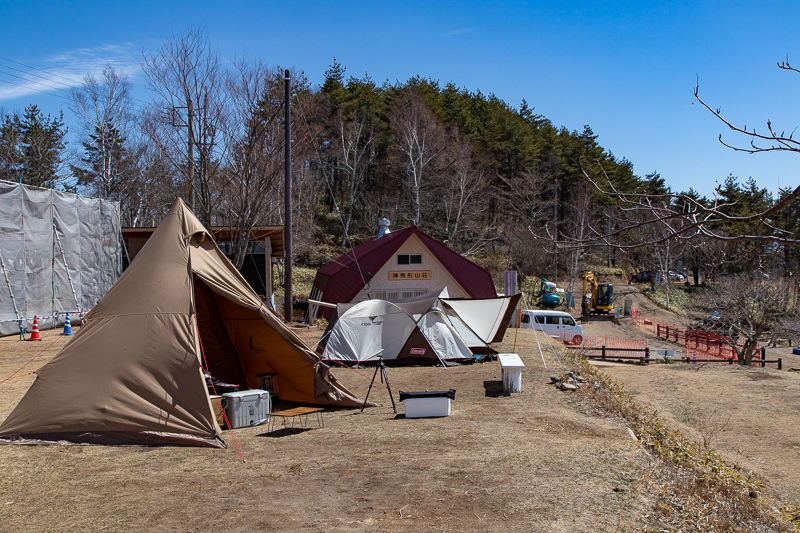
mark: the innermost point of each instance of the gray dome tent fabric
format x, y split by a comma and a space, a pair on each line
420, 330
412, 331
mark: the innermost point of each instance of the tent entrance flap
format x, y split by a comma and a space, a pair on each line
220, 354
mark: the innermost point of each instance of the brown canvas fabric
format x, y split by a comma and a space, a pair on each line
132, 374
417, 350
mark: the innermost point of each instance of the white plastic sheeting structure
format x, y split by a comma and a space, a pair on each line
61, 253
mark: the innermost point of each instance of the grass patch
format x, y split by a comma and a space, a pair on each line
302, 281
695, 490
680, 296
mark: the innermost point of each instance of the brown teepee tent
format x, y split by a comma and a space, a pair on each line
133, 375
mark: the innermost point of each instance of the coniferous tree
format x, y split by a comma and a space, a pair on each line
32, 147
104, 166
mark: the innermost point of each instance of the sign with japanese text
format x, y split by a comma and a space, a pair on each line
409, 275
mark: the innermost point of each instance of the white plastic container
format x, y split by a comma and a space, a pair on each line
427, 404
511, 366
427, 407
247, 408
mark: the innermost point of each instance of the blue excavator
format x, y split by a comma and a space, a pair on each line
549, 295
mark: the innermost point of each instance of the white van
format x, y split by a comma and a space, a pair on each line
555, 323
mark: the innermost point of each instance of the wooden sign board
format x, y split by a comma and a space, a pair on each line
405, 275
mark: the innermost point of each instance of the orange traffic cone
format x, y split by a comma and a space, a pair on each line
35, 331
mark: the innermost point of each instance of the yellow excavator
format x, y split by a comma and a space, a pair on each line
600, 295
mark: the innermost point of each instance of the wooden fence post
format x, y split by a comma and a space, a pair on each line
780, 364
604, 352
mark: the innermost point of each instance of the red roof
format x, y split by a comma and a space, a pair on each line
342, 279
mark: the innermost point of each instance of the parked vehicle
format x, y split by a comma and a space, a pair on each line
657, 277
640, 277
674, 275
556, 323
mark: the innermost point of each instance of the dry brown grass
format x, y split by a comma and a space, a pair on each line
695, 488
527, 462
540, 460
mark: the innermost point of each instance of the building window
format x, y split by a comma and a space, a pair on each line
398, 295
409, 259
410, 293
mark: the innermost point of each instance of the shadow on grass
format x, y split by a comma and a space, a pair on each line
494, 389
285, 432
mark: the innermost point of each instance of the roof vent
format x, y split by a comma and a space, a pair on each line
384, 227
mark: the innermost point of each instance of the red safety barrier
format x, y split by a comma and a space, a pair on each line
614, 343
698, 344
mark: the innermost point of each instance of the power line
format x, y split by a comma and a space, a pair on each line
35, 90
34, 68
37, 76
32, 81
52, 80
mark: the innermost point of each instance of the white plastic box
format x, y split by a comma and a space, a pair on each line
511, 367
427, 404
247, 408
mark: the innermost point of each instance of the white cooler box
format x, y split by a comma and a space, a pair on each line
427, 404
246, 408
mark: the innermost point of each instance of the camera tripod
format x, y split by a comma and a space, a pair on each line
385, 378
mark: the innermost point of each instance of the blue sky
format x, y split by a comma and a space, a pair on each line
627, 69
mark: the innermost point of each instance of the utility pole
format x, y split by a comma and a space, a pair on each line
190, 150
189, 125
555, 230
608, 232
287, 200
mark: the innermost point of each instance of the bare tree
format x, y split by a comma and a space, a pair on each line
149, 192
578, 218
461, 184
745, 310
355, 144
188, 77
419, 139
255, 161
102, 108
698, 219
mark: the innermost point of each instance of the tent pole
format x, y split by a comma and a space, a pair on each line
66, 268
13, 300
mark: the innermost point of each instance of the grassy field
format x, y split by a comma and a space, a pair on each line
539, 460
526, 462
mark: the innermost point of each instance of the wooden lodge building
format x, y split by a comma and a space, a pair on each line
394, 265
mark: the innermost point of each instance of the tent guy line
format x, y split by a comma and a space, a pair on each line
214, 388
14, 374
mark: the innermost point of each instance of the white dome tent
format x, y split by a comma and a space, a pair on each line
428, 329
